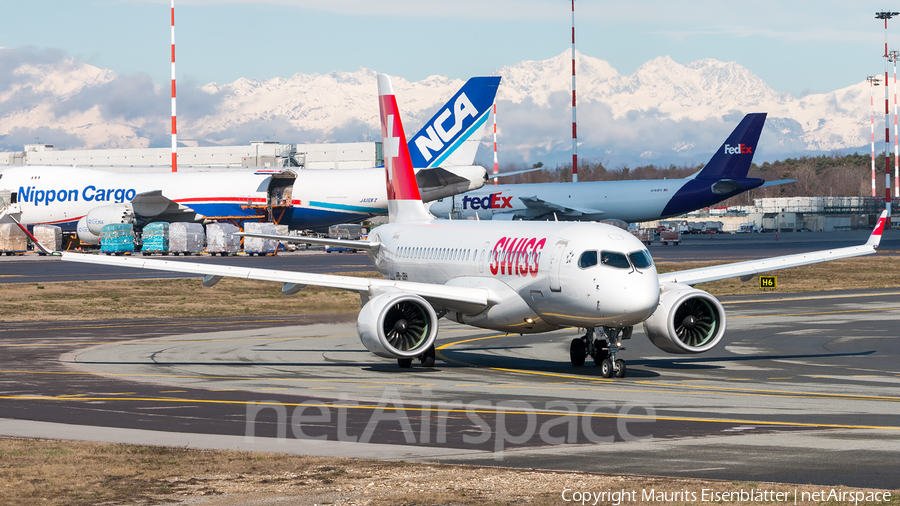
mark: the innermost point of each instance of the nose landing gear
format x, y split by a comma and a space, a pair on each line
603, 350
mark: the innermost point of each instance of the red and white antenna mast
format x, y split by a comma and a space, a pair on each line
574, 130
892, 57
174, 130
873, 82
885, 15
496, 168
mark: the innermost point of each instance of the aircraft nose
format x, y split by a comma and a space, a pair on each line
633, 300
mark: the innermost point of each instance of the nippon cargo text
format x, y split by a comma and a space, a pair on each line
89, 193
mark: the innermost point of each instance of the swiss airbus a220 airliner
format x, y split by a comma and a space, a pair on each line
518, 277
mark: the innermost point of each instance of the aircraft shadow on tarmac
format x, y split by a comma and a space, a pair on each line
704, 362
462, 359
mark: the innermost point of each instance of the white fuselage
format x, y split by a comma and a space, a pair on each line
318, 198
629, 201
532, 269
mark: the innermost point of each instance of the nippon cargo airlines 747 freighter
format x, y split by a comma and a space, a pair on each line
86, 199
631, 201
509, 276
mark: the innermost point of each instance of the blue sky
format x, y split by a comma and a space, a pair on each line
799, 47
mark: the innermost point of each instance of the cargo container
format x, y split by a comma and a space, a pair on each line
670, 236
155, 238
220, 239
255, 245
13, 240
50, 236
644, 235
117, 238
186, 238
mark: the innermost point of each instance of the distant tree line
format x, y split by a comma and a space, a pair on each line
836, 175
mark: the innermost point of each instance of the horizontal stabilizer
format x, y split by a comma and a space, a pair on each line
776, 183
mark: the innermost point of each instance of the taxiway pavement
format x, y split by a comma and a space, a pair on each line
803, 389
32, 268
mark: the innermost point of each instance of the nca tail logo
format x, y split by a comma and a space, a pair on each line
445, 127
740, 149
492, 201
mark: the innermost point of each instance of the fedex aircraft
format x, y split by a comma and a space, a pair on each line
85, 199
631, 201
520, 276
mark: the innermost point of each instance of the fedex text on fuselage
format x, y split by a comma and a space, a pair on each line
492, 201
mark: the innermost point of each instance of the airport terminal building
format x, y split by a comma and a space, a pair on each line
351, 155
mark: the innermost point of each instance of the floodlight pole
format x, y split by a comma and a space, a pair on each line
886, 15
873, 82
892, 57
574, 131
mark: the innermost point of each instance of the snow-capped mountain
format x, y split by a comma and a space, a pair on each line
663, 112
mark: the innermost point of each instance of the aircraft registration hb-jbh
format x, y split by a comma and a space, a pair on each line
519, 277
88, 199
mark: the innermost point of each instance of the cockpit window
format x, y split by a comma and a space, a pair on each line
613, 259
641, 259
587, 259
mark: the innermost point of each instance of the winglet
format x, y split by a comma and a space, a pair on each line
37, 243
875, 238
404, 201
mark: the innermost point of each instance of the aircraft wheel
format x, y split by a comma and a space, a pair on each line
620, 368
577, 353
427, 358
606, 368
404, 363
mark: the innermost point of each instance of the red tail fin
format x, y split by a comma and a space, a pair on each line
404, 201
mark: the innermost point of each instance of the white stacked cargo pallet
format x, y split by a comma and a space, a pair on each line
220, 239
255, 245
186, 238
13, 240
50, 236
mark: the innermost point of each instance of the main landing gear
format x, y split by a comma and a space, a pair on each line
427, 359
603, 350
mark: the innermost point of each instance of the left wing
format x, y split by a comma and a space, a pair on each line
539, 207
319, 241
463, 298
745, 270
154, 206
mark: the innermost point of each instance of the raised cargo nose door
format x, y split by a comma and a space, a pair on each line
280, 196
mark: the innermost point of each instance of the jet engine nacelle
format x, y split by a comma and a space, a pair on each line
85, 236
105, 215
397, 325
687, 321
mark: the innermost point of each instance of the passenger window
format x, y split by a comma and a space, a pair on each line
588, 259
614, 259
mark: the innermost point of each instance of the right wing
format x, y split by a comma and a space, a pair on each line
463, 298
745, 270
